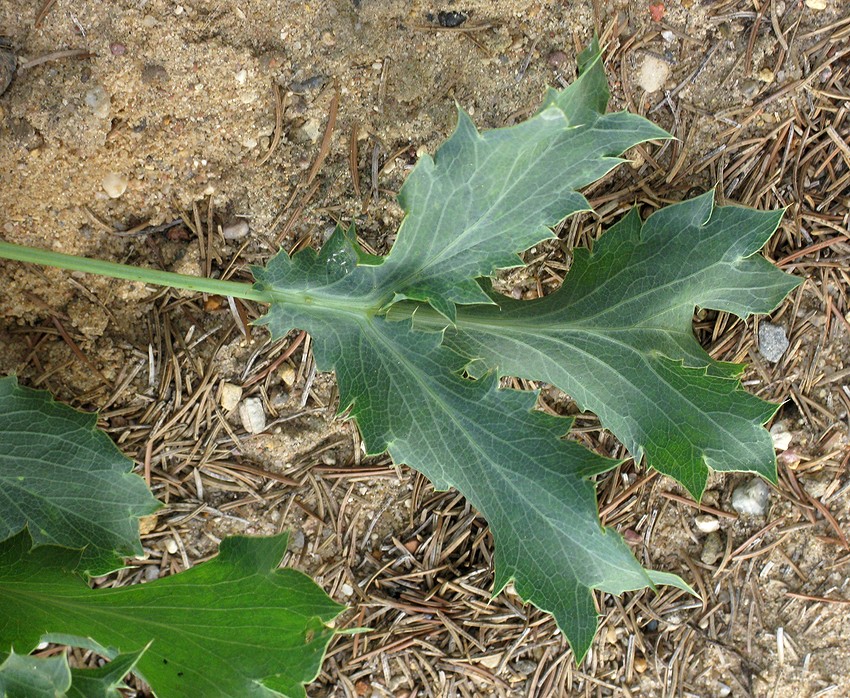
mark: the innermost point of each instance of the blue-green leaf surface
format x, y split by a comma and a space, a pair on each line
65, 481
617, 336
485, 197
401, 332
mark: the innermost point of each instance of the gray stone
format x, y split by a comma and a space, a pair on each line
772, 341
712, 549
253, 415
751, 498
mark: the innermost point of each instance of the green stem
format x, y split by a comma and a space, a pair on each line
124, 271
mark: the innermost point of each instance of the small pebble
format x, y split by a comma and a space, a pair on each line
817, 488
117, 49
236, 230
712, 549
491, 661
751, 498
750, 88
640, 665
450, 19
773, 342
347, 589
557, 58
311, 130
154, 74
231, 394
242, 76
151, 573
253, 415
115, 184
706, 523
766, 75
653, 73
171, 546
97, 99
297, 541
816, 4
287, 375
524, 667
781, 437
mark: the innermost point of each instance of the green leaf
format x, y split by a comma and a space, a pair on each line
65, 481
233, 626
22, 676
509, 460
485, 197
617, 336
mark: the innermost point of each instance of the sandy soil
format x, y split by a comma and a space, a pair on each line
155, 136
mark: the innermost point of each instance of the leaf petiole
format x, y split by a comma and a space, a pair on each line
199, 284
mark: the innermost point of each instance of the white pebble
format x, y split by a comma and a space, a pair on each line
253, 415
653, 73
115, 184
347, 589
236, 230
242, 76
171, 546
706, 523
311, 130
781, 437
751, 498
231, 394
816, 4
97, 99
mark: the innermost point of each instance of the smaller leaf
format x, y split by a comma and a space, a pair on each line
233, 626
22, 676
26, 676
65, 481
